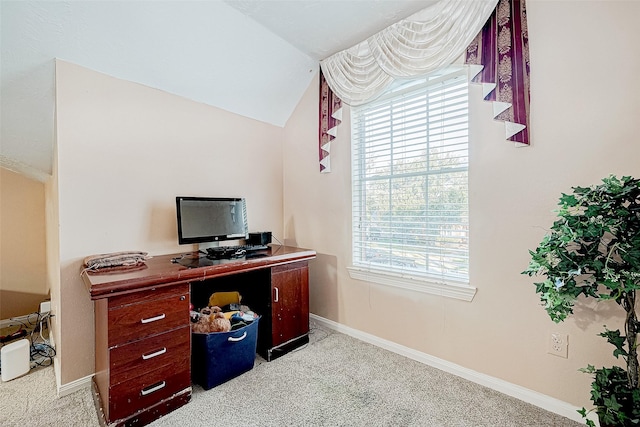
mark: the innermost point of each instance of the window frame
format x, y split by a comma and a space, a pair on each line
387, 275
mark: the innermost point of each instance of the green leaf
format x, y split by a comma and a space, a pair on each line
590, 369
568, 200
593, 249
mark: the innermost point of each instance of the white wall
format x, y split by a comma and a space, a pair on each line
121, 144
202, 50
23, 279
125, 151
585, 104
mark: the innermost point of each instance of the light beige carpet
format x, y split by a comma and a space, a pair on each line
335, 381
30, 401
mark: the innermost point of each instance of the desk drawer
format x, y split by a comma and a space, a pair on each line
127, 361
147, 389
148, 295
137, 321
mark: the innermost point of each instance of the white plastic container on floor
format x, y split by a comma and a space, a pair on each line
14, 359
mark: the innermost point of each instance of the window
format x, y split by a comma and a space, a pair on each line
410, 186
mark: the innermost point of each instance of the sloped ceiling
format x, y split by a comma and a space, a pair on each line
251, 57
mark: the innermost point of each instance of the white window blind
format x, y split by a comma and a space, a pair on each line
410, 182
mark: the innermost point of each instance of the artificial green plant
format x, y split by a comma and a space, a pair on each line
593, 249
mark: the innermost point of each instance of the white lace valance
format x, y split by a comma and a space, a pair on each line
430, 39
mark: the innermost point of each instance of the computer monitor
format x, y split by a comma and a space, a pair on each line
211, 219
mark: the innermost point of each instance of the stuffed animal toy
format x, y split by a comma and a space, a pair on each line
218, 322
202, 324
211, 319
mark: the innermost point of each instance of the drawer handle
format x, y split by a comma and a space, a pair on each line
153, 319
152, 355
152, 388
232, 339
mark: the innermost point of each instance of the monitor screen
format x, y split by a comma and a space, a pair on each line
211, 219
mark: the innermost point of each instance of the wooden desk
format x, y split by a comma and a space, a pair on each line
143, 336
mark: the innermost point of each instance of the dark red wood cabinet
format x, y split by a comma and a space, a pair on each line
143, 353
290, 308
142, 326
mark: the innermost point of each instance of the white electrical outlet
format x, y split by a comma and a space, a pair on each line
558, 344
45, 307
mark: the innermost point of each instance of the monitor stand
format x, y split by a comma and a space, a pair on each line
202, 247
205, 245
194, 260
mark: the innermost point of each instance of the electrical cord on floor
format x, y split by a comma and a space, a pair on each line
31, 327
41, 355
319, 333
315, 334
13, 336
42, 352
29, 321
23, 325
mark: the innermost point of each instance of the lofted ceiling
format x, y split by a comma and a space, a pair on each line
320, 28
251, 57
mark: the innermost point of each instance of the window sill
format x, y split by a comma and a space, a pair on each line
443, 288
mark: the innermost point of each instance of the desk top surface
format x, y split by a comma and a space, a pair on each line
182, 268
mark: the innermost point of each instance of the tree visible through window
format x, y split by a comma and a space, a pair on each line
410, 180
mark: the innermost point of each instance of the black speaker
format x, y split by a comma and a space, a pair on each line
261, 238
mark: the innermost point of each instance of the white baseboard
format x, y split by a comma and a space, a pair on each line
533, 397
73, 386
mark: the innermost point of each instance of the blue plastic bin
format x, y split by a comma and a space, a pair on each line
218, 357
